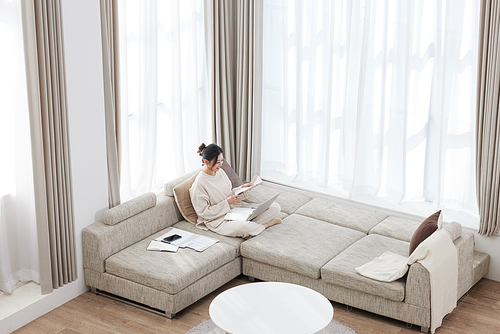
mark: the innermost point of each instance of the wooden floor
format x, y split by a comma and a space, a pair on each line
478, 312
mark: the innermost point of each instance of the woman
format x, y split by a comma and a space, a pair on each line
212, 197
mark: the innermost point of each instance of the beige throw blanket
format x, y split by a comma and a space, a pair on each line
438, 255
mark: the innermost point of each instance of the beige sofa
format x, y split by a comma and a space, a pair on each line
318, 245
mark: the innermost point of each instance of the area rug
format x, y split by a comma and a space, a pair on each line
208, 327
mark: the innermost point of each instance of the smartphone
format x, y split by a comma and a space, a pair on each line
171, 238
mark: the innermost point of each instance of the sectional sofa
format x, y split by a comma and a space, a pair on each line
318, 245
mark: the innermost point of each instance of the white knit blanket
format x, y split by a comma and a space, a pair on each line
438, 255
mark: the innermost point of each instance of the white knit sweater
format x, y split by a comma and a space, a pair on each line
208, 196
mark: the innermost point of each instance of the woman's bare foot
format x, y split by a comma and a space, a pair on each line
274, 221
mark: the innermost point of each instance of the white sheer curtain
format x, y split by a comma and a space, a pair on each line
165, 115
18, 240
372, 100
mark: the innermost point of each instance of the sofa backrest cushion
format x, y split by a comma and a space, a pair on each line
231, 174
168, 188
130, 208
454, 229
428, 226
183, 200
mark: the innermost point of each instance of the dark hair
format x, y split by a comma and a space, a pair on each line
210, 152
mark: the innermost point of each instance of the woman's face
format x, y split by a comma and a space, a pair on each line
216, 164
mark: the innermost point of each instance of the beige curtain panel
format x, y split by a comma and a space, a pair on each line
233, 39
249, 30
488, 120
221, 76
110, 60
42, 28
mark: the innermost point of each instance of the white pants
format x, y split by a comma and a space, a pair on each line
243, 228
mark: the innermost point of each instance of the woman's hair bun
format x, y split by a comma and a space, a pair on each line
210, 153
201, 148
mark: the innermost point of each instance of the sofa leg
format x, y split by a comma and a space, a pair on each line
424, 329
93, 290
170, 315
251, 279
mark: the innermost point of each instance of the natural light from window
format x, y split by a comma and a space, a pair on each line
163, 95
374, 102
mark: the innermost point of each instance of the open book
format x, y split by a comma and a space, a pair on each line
159, 246
187, 239
256, 180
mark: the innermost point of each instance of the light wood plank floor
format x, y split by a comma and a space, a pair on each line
478, 312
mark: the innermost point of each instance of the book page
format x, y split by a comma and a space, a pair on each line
159, 246
201, 243
188, 239
256, 180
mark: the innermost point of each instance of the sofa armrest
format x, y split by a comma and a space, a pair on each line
100, 241
465, 252
418, 286
418, 280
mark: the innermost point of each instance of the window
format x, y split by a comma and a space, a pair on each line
18, 241
373, 101
164, 107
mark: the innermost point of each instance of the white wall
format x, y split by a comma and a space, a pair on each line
82, 38
490, 246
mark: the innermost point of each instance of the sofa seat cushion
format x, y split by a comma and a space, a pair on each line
342, 215
288, 201
299, 244
396, 228
341, 270
167, 271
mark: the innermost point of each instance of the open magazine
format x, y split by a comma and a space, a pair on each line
256, 180
184, 239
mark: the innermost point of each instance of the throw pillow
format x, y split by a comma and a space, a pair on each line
231, 174
428, 226
183, 200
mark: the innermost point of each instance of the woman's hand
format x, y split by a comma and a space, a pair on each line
247, 185
233, 199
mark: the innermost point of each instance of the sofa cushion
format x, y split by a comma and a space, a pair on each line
454, 229
183, 199
129, 209
231, 174
168, 188
288, 201
166, 271
424, 230
299, 244
342, 215
396, 228
341, 270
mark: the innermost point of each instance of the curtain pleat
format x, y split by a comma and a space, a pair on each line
42, 23
221, 58
249, 88
488, 120
234, 58
110, 47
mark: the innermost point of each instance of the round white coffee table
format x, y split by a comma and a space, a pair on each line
268, 307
